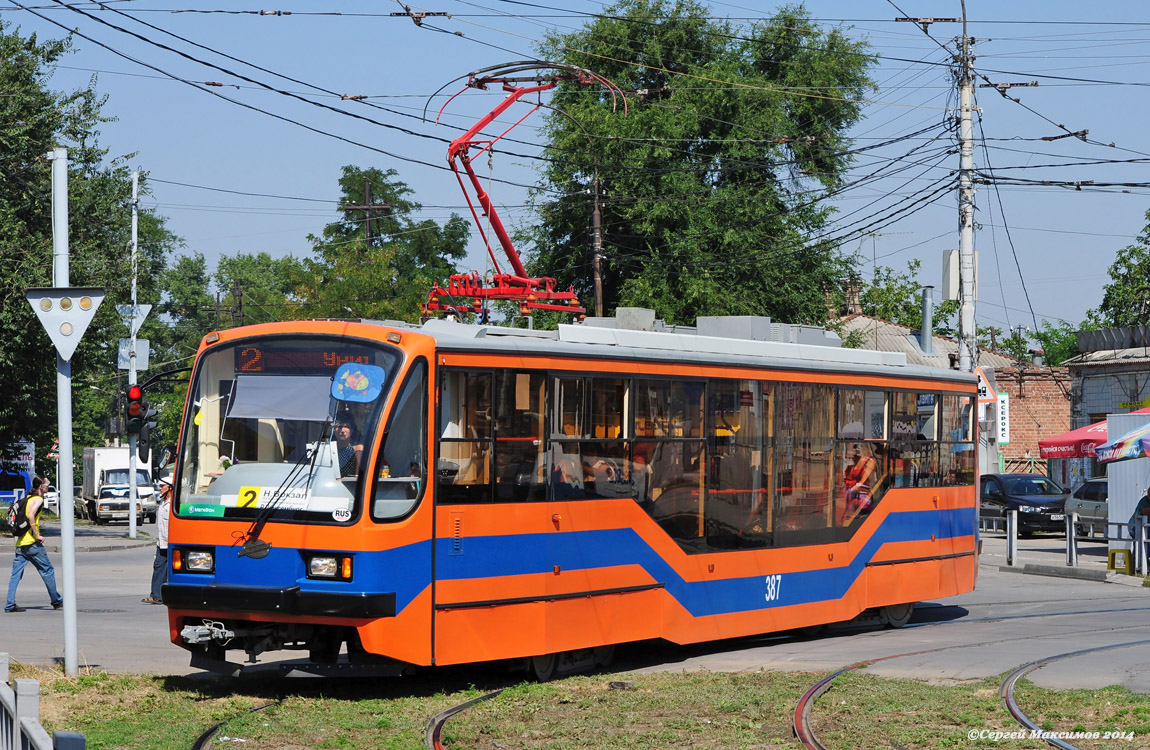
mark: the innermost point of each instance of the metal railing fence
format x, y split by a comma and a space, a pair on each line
1139, 552
20, 727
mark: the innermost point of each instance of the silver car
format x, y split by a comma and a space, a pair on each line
1090, 503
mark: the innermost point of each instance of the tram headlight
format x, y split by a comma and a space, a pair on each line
329, 566
199, 561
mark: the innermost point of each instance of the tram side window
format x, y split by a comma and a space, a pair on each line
463, 474
668, 409
860, 454
737, 500
804, 452
519, 463
588, 450
914, 458
669, 453
913, 451
400, 474
957, 455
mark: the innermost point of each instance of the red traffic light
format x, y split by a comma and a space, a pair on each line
134, 409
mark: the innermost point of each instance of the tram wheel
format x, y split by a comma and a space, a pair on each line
603, 655
544, 666
897, 615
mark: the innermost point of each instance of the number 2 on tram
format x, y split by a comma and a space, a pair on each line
449, 493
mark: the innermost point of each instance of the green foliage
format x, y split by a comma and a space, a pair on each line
702, 710
388, 277
703, 181
34, 120
1126, 299
262, 288
1058, 341
897, 297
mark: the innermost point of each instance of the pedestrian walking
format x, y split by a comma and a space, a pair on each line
160, 563
30, 549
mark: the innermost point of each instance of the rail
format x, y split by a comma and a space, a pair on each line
20, 727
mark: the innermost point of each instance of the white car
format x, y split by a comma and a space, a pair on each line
52, 500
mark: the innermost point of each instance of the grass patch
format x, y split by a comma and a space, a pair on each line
711, 711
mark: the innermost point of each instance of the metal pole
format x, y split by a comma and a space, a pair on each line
1011, 537
1071, 540
59, 158
966, 324
1140, 547
132, 491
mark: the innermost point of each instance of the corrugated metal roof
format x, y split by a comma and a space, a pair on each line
1136, 356
884, 336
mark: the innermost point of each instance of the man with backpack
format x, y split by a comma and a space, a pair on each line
30, 547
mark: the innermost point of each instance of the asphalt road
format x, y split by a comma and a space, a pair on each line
1011, 618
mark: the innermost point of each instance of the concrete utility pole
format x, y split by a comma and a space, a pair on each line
597, 242
967, 340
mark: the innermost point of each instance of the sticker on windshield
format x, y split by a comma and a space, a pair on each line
358, 383
341, 514
201, 509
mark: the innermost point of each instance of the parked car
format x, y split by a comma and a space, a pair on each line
52, 500
1090, 503
1039, 501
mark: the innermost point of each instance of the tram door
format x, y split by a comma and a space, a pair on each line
401, 515
491, 570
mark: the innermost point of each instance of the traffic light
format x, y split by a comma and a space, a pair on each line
134, 408
144, 440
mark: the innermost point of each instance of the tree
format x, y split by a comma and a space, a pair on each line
388, 276
897, 297
703, 184
33, 120
1126, 300
1059, 342
261, 287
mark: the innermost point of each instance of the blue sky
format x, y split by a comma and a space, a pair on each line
1051, 263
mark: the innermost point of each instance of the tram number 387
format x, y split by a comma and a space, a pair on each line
774, 586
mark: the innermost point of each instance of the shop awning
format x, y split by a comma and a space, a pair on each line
1134, 444
1078, 443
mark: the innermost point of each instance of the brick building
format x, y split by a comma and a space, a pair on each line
1039, 408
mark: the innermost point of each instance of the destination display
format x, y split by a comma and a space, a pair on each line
299, 361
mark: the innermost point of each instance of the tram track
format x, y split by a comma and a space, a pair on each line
204, 741
802, 715
433, 735
801, 718
1006, 689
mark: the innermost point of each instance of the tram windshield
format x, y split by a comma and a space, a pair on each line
278, 426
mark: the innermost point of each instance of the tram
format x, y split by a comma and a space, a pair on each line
395, 496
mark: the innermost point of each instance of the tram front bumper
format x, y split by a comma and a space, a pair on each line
289, 600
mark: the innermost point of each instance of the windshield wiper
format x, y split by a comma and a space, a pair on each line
257, 548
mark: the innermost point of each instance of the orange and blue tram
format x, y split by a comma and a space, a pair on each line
397, 496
